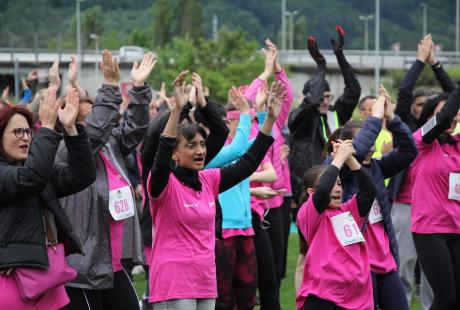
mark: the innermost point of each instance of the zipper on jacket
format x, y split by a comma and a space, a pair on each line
13, 228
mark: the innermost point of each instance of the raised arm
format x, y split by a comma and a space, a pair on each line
346, 103
80, 170
161, 168
405, 94
248, 163
442, 77
104, 115
301, 118
218, 131
240, 143
72, 77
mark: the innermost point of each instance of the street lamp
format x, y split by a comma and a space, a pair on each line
366, 19
377, 47
423, 6
283, 24
79, 39
291, 15
96, 38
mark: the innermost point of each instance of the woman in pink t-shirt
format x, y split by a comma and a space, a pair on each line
336, 273
182, 270
435, 218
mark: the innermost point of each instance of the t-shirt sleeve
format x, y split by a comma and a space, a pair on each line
212, 177
352, 206
160, 200
417, 135
308, 219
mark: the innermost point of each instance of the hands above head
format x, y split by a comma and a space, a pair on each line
342, 152
389, 107
180, 93
32, 75
48, 109
6, 93
72, 72
378, 109
425, 47
271, 59
53, 76
272, 47
314, 51
432, 57
260, 101
238, 100
109, 68
140, 72
69, 113
198, 84
338, 46
275, 99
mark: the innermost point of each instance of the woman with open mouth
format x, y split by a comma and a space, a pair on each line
182, 270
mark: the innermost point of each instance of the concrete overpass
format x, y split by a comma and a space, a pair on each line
16, 63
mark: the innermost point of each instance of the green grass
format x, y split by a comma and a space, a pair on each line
287, 286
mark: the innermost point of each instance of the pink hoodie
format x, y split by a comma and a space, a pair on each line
274, 153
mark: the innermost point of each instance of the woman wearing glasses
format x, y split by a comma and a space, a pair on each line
30, 184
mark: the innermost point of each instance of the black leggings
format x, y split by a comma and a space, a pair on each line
275, 233
314, 303
389, 292
121, 297
266, 275
286, 210
439, 258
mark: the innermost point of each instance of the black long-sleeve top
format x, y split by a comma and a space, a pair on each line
406, 97
364, 197
444, 117
229, 175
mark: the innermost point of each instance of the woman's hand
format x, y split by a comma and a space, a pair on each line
109, 68
238, 100
198, 84
180, 92
69, 113
140, 72
275, 99
263, 192
48, 109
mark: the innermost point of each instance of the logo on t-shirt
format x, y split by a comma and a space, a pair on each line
191, 205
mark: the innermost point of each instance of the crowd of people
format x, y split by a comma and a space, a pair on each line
202, 194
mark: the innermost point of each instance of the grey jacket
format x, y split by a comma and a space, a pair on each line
88, 209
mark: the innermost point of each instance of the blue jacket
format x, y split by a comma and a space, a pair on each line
235, 202
404, 152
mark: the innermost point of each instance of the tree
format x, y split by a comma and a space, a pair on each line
162, 23
232, 60
300, 33
189, 19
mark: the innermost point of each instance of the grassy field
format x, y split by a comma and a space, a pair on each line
287, 287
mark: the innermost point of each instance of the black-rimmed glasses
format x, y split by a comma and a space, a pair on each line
20, 132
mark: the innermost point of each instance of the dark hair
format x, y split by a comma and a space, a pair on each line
5, 116
310, 178
328, 147
361, 102
420, 93
189, 132
201, 119
429, 107
307, 86
350, 128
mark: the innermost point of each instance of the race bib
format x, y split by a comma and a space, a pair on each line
454, 186
121, 203
375, 215
346, 229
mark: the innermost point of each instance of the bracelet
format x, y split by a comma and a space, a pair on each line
168, 136
436, 65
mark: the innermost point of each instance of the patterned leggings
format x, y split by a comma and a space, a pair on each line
236, 273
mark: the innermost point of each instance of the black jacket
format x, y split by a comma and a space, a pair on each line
307, 141
25, 191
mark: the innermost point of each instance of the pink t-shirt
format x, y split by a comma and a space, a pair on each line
232, 232
381, 259
333, 272
9, 297
405, 191
183, 261
432, 210
116, 227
